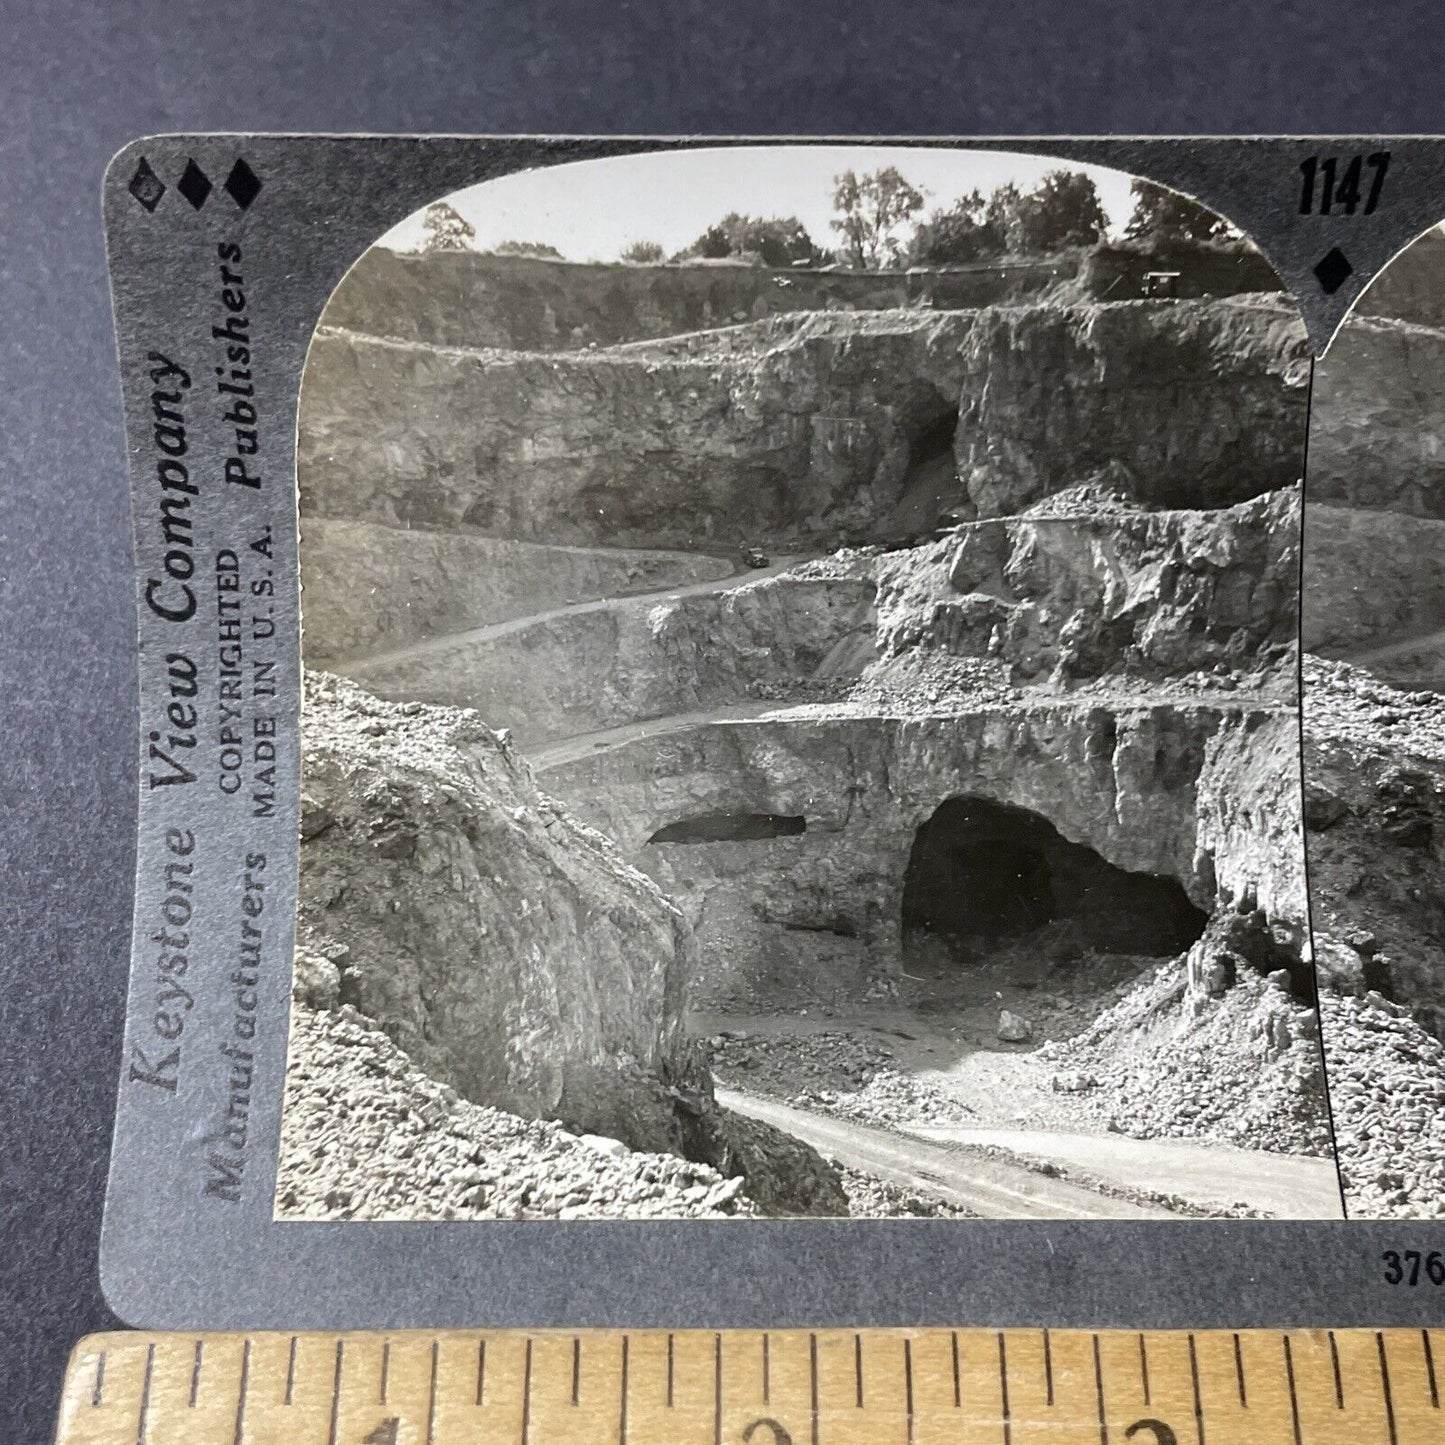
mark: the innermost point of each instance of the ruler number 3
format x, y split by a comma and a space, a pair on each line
1332, 184
1161, 1434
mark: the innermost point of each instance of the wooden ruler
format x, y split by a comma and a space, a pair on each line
784, 1387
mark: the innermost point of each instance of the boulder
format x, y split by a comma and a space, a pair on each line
1014, 1028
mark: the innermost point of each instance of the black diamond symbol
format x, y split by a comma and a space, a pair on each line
146, 186
194, 185
242, 185
1332, 270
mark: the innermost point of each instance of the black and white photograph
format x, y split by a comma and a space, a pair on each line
801, 703
1374, 715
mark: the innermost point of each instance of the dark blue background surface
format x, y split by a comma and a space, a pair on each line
78, 80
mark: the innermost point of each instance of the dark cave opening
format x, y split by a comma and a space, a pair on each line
731, 828
932, 439
929, 494
984, 872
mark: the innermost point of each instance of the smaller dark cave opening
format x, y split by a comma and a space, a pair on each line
731, 827
987, 872
932, 439
929, 493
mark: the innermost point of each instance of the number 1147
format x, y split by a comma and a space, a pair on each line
1334, 184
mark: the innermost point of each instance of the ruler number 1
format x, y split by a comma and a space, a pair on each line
1330, 186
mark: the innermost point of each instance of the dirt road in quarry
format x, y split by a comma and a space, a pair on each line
1430, 642
991, 1188
932, 1101
360, 665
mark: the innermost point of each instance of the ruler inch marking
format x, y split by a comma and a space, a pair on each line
1430, 1369
907, 1388
290, 1368
622, 1408
1293, 1394
1194, 1383
1239, 1373
143, 1418
196, 1359
1335, 1365
1048, 1370
1099, 1395
97, 1393
669, 1372
767, 1372
482, 1371
336, 1391
240, 1432
1385, 1388
858, 1370
717, 1431
1144, 1367
957, 1383
1003, 1389
527, 1394
385, 1371
576, 1370
431, 1394
813, 1383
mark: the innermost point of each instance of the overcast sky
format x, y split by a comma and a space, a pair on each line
593, 210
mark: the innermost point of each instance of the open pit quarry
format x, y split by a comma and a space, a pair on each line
834, 761
1374, 715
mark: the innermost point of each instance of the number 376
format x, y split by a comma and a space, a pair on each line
1406, 1268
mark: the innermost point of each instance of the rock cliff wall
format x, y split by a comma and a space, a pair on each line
1375, 501
1189, 404
801, 439
1375, 809
509, 950
1116, 590
585, 669
524, 303
1412, 286
806, 432
1377, 424
371, 588
1371, 577
1203, 795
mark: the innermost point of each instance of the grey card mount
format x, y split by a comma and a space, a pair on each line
870, 747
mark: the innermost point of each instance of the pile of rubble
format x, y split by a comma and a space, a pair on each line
1387, 1090
367, 1136
790, 1065
1243, 1068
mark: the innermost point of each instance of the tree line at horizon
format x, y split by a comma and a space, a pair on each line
880, 224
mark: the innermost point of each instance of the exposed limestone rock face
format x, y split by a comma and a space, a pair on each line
1375, 807
800, 437
586, 669
508, 949
1372, 578
1377, 426
1197, 404
1152, 593
432, 584
1374, 589
523, 303
1201, 794
1409, 288
806, 432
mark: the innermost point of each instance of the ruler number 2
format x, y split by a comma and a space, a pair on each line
1330, 186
